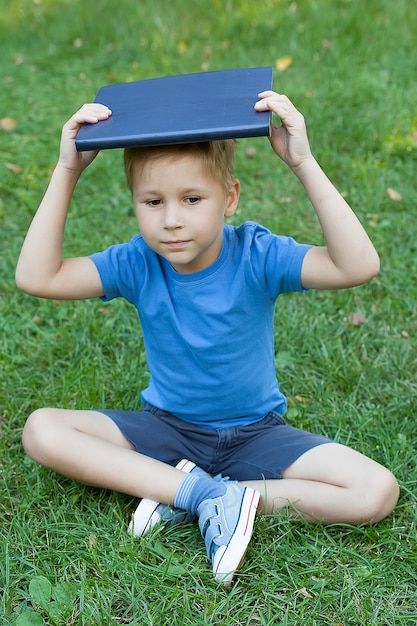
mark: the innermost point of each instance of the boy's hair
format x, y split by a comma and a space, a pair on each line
217, 158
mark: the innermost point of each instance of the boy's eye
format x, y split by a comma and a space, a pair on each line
192, 199
153, 202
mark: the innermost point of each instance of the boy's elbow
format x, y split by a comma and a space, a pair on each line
368, 268
20, 280
373, 265
25, 283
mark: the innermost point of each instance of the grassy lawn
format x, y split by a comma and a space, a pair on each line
351, 67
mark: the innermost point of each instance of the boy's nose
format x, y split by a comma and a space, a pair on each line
172, 216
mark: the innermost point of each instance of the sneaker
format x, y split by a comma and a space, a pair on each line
150, 513
226, 524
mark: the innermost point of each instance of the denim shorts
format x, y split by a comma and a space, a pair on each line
262, 450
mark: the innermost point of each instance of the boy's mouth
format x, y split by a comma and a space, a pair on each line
176, 244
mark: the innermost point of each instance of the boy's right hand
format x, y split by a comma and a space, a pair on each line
69, 158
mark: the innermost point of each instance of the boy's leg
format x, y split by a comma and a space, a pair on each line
331, 483
87, 446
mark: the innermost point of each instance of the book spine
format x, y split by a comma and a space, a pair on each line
196, 136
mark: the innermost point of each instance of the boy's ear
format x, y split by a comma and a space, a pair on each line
232, 199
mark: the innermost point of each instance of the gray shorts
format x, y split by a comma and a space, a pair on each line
259, 451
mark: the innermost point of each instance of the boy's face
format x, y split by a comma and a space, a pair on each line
180, 211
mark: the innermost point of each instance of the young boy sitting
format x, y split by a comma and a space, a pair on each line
205, 293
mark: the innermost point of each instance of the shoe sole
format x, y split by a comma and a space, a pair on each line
229, 558
146, 515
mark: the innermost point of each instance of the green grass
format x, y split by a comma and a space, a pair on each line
64, 551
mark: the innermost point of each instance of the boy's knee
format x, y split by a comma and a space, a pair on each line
37, 433
382, 497
392, 492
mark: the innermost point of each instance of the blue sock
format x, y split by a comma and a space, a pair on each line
194, 489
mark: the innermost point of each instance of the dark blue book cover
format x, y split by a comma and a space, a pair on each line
180, 109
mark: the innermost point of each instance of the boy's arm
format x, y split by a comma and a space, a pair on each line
349, 257
41, 269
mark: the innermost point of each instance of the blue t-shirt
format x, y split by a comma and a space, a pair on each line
209, 335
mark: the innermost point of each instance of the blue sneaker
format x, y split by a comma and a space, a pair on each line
150, 513
226, 524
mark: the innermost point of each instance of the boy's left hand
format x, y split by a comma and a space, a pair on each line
289, 141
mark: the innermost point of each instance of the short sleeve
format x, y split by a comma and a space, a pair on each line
277, 261
121, 270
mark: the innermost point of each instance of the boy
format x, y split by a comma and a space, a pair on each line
205, 295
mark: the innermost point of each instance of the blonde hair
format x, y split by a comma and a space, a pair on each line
217, 158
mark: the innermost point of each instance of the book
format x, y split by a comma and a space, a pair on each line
180, 109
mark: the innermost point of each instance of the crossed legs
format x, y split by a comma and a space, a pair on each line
330, 483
